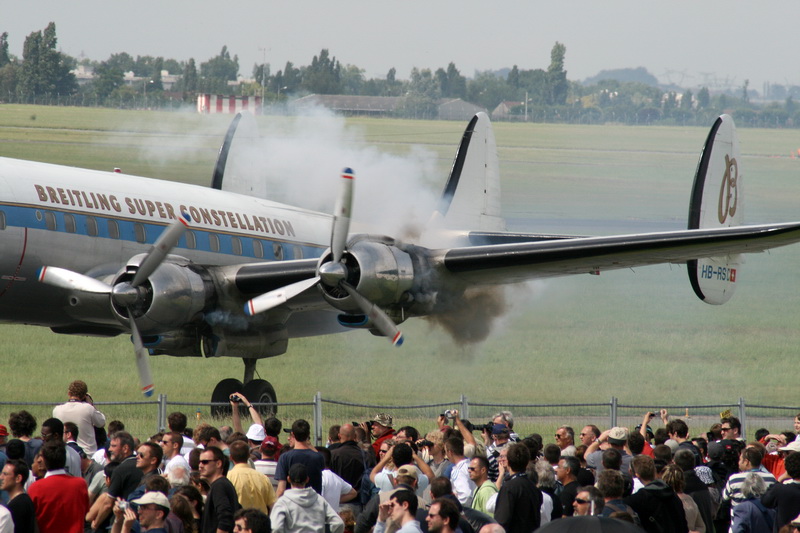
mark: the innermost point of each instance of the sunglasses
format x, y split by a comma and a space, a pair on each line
206, 461
580, 501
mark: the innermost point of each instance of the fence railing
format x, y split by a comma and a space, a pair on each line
528, 418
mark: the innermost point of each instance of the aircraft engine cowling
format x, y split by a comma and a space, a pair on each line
173, 296
380, 271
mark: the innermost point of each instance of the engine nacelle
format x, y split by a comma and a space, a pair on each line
173, 296
380, 271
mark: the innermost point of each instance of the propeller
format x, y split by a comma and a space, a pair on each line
125, 294
333, 273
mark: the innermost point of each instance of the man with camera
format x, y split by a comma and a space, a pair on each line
380, 427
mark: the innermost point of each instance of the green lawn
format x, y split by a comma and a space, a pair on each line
641, 335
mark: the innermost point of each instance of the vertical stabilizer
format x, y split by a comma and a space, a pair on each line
716, 202
471, 197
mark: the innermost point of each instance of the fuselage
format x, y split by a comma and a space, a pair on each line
92, 222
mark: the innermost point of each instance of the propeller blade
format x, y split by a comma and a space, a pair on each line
271, 299
382, 322
341, 216
142, 358
67, 279
163, 245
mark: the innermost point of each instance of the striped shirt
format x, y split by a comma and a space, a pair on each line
733, 489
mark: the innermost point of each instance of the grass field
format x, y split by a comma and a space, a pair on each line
638, 335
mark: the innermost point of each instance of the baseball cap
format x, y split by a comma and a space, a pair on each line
383, 419
406, 470
793, 446
618, 435
256, 433
269, 442
498, 429
3, 431
155, 497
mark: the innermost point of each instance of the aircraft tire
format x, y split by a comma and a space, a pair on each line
261, 391
222, 393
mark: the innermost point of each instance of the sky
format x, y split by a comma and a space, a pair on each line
700, 43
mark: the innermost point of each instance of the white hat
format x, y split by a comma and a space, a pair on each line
153, 496
793, 446
256, 433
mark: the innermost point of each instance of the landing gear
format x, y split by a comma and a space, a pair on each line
256, 391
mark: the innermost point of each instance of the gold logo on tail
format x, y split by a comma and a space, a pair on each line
728, 194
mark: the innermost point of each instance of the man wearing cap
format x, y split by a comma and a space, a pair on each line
80, 410
61, 501
254, 489
153, 511
171, 445
3, 438
301, 452
381, 429
301, 508
501, 436
268, 462
222, 501
613, 438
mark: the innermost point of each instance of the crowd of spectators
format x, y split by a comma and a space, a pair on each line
83, 473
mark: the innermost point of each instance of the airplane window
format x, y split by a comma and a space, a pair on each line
191, 240
258, 248
213, 242
50, 220
298, 252
91, 226
278, 251
141, 232
69, 223
2, 220
236, 244
113, 229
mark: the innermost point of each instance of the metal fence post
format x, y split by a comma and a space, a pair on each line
318, 417
464, 408
742, 417
162, 412
613, 412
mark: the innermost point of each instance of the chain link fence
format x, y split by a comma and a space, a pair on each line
143, 418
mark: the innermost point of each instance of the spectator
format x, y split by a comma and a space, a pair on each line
381, 429
222, 501
3, 438
694, 488
405, 481
589, 434
679, 432
567, 475
519, 502
255, 433
401, 454
81, 411
268, 462
785, 497
611, 485
153, 511
22, 425
436, 459
588, 502
196, 503
565, 439
408, 434
171, 446
333, 437
124, 479
252, 521
208, 436
401, 507
300, 507
459, 475
442, 517
501, 437
348, 460
335, 490
61, 501
750, 514
12, 480
53, 430
547, 485
484, 487
749, 461
301, 452
731, 428
659, 508
253, 489
673, 476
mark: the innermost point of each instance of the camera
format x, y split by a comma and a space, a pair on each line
424, 443
368, 424
123, 506
480, 427
449, 414
234, 398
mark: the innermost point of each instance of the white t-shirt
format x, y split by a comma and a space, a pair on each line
333, 488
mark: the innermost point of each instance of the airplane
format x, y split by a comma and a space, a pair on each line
192, 271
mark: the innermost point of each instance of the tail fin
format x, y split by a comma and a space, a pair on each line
716, 202
234, 170
471, 197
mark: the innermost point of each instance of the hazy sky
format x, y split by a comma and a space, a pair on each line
706, 39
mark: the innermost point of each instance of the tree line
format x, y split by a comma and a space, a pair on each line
45, 75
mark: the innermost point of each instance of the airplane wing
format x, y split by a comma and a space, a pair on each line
522, 261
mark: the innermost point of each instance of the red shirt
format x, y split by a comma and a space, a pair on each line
61, 503
377, 444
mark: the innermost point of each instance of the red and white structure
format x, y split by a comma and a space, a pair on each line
217, 103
